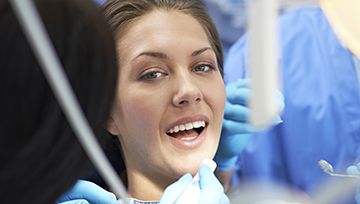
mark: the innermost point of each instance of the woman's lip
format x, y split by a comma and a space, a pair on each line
189, 144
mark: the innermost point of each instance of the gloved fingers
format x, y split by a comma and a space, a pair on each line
353, 170
90, 192
235, 108
172, 192
225, 164
238, 95
241, 83
229, 149
239, 92
235, 143
211, 189
233, 127
80, 201
236, 112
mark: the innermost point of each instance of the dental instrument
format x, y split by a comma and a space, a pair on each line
191, 194
327, 168
263, 58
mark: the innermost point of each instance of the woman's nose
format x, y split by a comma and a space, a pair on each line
186, 92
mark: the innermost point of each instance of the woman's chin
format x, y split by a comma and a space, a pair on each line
191, 167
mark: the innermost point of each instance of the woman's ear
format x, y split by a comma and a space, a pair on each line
111, 127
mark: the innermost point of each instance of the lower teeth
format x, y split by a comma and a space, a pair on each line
188, 138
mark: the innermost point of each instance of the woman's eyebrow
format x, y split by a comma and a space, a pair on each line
152, 54
164, 56
198, 52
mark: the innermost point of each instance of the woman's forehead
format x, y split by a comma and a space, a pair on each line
161, 29
160, 21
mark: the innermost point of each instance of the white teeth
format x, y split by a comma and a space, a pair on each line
182, 127
187, 126
196, 124
176, 129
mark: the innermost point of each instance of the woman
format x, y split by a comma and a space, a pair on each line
170, 100
174, 50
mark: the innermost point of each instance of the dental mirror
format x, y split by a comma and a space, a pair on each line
327, 168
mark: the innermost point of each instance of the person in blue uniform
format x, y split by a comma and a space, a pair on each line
321, 119
40, 156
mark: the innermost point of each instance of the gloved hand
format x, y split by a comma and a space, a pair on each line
173, 192
236, 131
351, 170
86, 192
211, 190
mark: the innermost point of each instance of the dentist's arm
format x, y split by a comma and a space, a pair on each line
236, 131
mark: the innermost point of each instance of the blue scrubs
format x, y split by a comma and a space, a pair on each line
322, 107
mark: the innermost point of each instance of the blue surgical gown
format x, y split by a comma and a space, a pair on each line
321, 119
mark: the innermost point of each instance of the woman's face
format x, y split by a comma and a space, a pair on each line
168, 81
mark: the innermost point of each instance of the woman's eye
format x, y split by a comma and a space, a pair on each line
152, 75
202, 68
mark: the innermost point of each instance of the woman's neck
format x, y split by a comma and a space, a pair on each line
146, 188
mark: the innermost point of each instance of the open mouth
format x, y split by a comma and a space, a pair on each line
188, 131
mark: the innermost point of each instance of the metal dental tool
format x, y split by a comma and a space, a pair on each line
327, 168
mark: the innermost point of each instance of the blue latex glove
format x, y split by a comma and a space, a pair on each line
211, 189
173, 192
86, 192
236, 131
351, 170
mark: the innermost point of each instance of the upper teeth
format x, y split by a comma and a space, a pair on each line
187, 126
